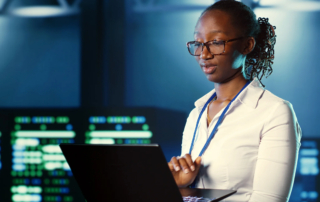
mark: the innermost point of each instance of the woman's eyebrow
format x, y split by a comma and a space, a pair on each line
211, 32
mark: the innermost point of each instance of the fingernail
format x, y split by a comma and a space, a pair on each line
177, 168
186, 171
192, 168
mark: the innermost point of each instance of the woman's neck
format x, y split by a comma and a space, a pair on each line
227, 90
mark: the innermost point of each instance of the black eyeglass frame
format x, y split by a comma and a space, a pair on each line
208, 42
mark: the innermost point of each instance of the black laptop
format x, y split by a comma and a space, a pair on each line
128, 173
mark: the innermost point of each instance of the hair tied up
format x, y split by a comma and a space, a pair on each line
260, 60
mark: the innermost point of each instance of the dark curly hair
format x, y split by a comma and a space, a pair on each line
259, 62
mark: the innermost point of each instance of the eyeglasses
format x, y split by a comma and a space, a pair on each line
195, 48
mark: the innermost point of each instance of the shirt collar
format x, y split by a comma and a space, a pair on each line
249, 96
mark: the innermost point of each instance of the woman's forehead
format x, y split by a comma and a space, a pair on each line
198, 32
213, 22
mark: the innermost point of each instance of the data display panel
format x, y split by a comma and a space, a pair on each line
307, 176
38, 169
34, 167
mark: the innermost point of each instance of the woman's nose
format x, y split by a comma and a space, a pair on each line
205, 53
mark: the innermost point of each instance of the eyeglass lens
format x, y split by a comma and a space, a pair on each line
196, 48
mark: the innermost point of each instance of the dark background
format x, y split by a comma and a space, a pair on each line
128, 53
124, 53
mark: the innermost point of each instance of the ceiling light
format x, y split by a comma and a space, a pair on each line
63, 8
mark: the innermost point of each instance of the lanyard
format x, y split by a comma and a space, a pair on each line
217, 124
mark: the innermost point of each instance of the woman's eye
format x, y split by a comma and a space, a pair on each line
197, 44
217, 43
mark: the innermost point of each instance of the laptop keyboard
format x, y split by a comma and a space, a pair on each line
195, 199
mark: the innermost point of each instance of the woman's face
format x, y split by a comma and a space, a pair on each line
217, 25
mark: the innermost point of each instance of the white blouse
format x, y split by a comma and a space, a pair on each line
255, 149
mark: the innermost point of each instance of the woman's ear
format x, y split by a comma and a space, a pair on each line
249, 45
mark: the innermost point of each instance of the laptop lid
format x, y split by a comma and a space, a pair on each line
128, 173
121, 173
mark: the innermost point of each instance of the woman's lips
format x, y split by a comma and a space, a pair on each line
209, 69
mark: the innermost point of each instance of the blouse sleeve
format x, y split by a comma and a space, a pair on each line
277, 157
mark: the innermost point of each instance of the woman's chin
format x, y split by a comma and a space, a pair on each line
218, 78
212, 78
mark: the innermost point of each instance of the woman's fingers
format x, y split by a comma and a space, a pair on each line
184, 165
197, 164
175, 163
198, 161
190, 162
184, 170
171, 166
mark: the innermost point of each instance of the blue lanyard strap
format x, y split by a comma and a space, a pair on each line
217, 124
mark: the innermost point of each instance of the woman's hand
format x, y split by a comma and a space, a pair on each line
184, 170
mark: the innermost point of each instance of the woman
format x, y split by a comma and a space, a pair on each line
255, 136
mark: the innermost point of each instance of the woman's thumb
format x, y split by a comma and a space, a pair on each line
197, 162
